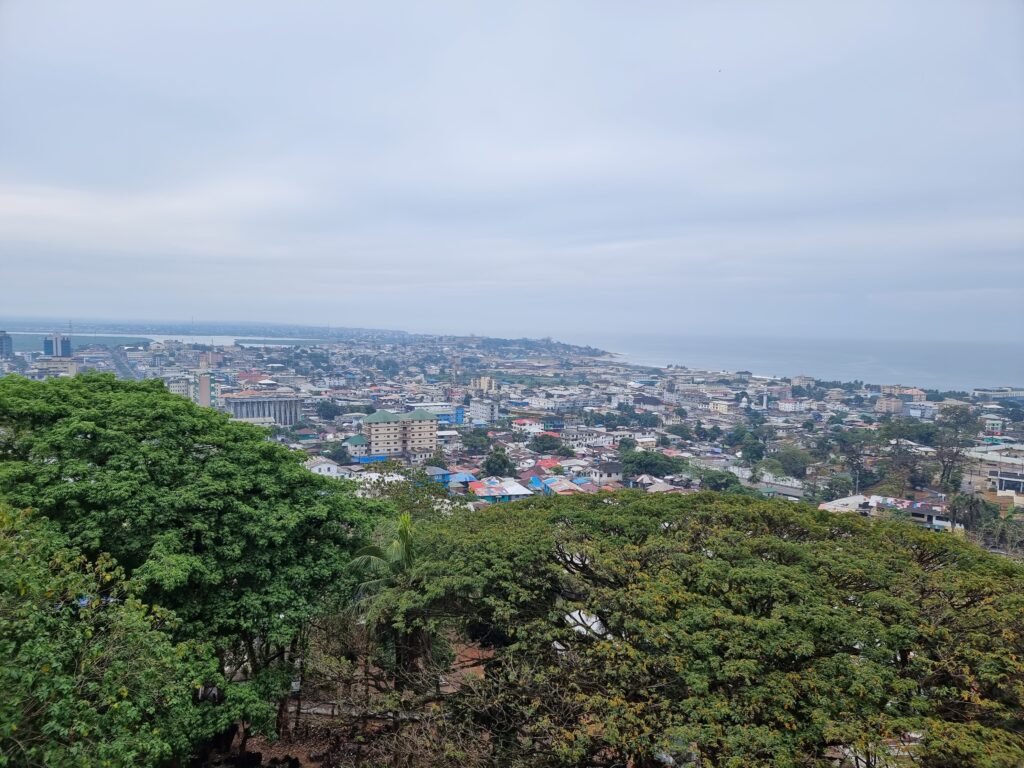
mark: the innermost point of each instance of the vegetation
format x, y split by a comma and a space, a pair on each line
91, 675
498, 464
623, 630
175, 573
207, 519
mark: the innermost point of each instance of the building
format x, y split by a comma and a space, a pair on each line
264, 408
485, 384
605, 472
6, 346
447, 413
57, 345
792, 406
204, 390
1000, 393
179, 385
411, 435
918, 410
321, 465
483, 411
356, 445
892, 405
495, 490
55, 366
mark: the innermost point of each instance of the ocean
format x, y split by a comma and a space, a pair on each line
952, 365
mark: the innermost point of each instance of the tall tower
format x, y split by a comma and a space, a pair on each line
57, 345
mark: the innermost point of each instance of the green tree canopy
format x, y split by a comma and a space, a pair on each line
327, 410
544, 443
794, 461
90, 675
498, 464
626, 629
207, 518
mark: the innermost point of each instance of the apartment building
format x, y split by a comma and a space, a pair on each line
411, 435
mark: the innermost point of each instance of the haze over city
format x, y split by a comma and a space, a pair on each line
569, 169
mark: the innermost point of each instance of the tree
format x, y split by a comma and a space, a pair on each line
338, 452
956, 428
207, 518
717, 480
627, 444
648, 420
91, 675
971, 511
837, 487
770, 466
498, 464
407, 491
680, 430
386, 566
545, 443
855, 446
752, 447
438, 459
635, 463
475, 441
627, 629
328, 410
794, 460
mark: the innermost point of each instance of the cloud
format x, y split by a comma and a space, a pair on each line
537, 168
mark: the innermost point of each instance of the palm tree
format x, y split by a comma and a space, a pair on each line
385, 568
386, 564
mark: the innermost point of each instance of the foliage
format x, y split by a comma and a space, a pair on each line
91, 676
328, 410
475, 441
956, 428
498, 464
794, 461
338, 452
438, 459
628, 628
544, 443
681, 431
207, 518
636, 463
769, 466
408, 491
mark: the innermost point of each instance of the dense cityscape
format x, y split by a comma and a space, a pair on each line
367, 547
495, 420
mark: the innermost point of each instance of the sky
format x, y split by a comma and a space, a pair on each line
572, 169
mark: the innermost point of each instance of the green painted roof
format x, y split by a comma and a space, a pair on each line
419, 415
355, 440
379, 417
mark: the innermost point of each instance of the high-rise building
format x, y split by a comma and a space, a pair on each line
6, 346
203, 393
57, 345
412, 435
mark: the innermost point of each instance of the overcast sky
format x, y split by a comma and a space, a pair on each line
540, 168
